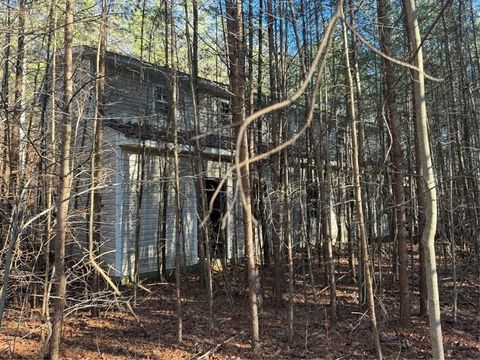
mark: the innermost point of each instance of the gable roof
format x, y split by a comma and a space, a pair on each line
130, 62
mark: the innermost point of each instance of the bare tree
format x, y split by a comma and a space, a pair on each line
236, 77
96, 172
13, 146
65, 186
174, 121
202, 206
276, 161
425, 160
398, 168
358, 198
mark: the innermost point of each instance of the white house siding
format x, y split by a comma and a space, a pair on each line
188, 218
188, 204
81, 162
108, 219
149, 213
210, 119
127, 93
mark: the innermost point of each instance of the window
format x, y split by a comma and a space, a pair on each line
160, 100
292, 125
224, 112
445, 136
312, 198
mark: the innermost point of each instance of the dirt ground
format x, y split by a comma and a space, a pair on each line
118, 335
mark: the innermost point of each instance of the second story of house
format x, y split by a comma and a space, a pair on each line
137, 99
138, 103
139, 93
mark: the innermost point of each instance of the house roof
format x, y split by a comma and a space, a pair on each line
145, 130
218, 88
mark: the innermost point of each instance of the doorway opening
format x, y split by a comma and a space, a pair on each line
217, 234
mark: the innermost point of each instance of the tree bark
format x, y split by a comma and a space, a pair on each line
202, 206
15, 143
5, 168
50, 161
174, 122
425, 159
236, 71
64, 187
358, 199
97, 161
398, 168
275, 159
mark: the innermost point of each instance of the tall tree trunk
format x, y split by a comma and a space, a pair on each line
419, 209
64, 188
97, 161
236, 71
15, 142
398, 168
13, 136
174, 122
358, 198
420, 194
452, 128
451, 233
6, 108
202, 206
261, 184
275, 159
425, 159
327, 223
289, 244
50, 159
140, 177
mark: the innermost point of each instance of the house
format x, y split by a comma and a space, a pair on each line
138, 188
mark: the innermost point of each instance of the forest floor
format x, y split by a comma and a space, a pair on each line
118, 335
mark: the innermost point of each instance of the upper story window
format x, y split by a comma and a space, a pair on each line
445, 135
293, 125
160, 100
224, 112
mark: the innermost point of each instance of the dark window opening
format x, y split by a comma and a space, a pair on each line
224, 112
160, 101
313, 204
217, 234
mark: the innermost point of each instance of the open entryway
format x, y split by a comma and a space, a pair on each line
217, 211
